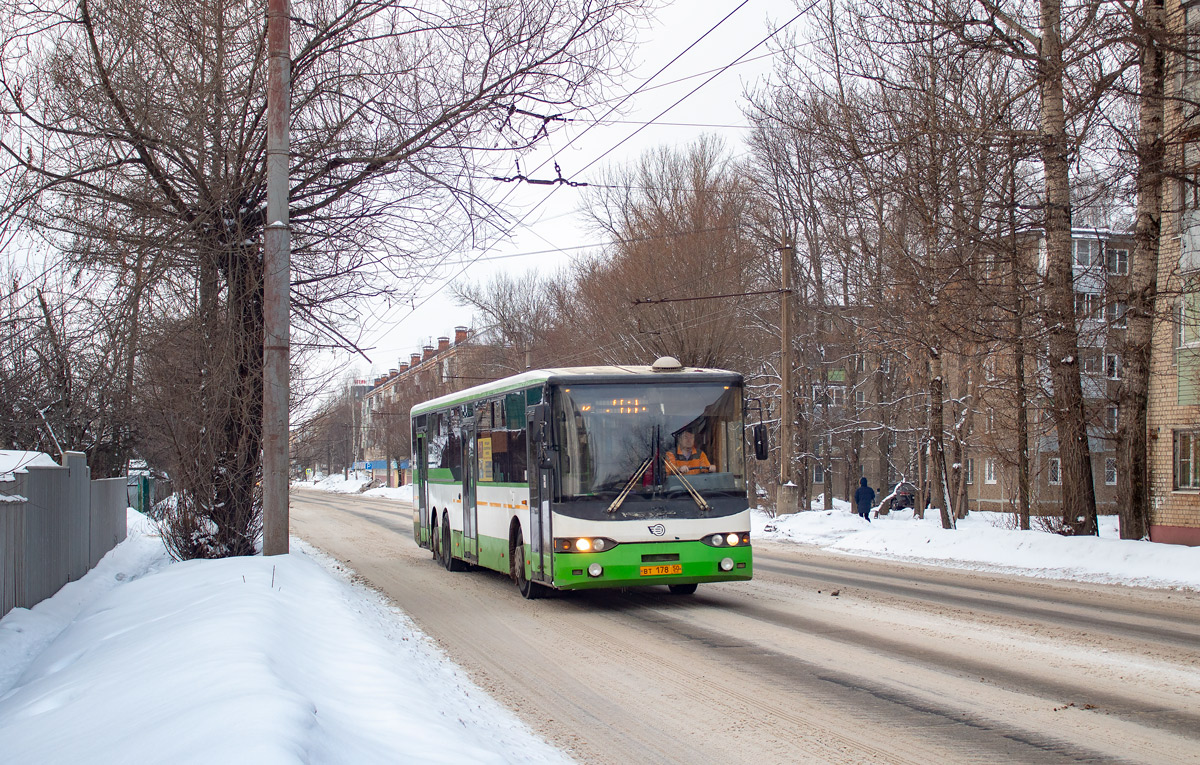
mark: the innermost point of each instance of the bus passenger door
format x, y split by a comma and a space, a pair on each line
470, 471
421, 474
540, 534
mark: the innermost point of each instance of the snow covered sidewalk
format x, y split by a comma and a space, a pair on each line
244, 660
988, 542
356, 483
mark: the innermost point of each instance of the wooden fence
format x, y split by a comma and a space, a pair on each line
55, 526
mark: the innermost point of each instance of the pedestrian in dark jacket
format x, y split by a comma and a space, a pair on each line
863, 497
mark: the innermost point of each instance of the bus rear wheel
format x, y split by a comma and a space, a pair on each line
448, 560
434, 538
527, 587
682, 589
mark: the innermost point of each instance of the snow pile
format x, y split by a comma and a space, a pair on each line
337, 483
265, 660
400, 493
988, 542
357, 484
15, 461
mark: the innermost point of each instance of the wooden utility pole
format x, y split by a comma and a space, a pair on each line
786, 497
277, 247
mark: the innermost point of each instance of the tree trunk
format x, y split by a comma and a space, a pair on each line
239, 459
919, 482
937, 439
1133, 479
1078, 490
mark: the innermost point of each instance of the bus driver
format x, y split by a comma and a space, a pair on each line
685, 458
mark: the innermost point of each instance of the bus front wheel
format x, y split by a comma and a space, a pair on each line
682, 589
528, 588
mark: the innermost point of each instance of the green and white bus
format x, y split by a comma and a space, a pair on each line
574, 478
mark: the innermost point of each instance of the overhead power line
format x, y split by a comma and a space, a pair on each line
643, 301
640, 88
645, 84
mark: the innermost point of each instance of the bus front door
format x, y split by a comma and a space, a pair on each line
539, 491
420, 468
470, 470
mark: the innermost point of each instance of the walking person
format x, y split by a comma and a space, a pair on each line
863, 497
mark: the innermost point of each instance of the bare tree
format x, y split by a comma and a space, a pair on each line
673, 280
138, 126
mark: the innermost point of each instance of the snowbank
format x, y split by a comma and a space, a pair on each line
401, 493
988, 542
15, 461
337, 483
264, 660
356, 484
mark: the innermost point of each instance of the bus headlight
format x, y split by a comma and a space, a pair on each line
583, 544
726, 564
731, 539
596, 569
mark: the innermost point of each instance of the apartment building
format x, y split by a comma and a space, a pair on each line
1101, 266
438, 369
1174, 407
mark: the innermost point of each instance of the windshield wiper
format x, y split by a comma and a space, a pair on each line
687, 485
616, 503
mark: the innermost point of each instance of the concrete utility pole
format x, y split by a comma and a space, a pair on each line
788, 494
277, 256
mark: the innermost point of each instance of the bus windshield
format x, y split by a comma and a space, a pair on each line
649, 438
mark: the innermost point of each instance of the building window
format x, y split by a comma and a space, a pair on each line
1187, 459
1054, 472
834, 395
1189, 315
1112, 417
885, 365
860, 397
1112, 366
818, 473
1177, 325
970, 471
1118, 261
989, 470
1118, 314
860, 362
991, 420
1087, 305
1087, 252
1110, 471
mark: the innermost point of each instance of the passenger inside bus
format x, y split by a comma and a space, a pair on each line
685, 458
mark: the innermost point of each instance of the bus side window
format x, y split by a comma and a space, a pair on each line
513, 465
449, 435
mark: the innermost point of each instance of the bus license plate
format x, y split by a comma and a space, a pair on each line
674, 568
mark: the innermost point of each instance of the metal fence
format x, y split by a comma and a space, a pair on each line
55, 525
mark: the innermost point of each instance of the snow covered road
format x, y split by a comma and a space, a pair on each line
824, 657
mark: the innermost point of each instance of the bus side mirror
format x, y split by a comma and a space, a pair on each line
538, 414
760, 442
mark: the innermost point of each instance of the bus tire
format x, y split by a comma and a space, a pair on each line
682, 589
529, 589
449, 561
433, 536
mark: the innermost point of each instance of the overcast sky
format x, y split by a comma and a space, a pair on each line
552, 231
